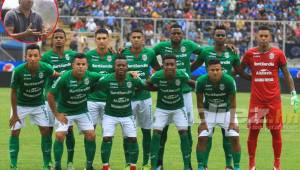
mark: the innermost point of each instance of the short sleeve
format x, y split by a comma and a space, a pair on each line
185, 77
154, 78
58, 83
14, 83
94, 76
157, 48
49, 69
200, 85
196, 48
236, 60
246, 58
281, 59
9, 19
153, 61
231, 86
139, 83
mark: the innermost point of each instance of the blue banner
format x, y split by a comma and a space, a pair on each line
8, 66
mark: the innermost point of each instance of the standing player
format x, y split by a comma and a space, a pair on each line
265, 102
101, 60
60, 59
70, 92
182, 49
120, 88
216, 102
170, 106
27, 86
230, 62
141, 59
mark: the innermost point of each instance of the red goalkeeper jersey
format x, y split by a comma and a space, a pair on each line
264, 68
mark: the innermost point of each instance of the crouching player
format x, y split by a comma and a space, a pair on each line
216, 102
169, 83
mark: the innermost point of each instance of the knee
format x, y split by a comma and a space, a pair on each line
90, 135
45, 131
60, 136
132, 139
182, 132
15, 133
70, 129
157, 131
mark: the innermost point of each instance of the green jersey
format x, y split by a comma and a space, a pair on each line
228, 59
103, 65
169, 93
29, 87
71, 94
183, 54
119, 96
60, 64
141, 64
216, 95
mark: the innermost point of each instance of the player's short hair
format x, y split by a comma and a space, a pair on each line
213, 62
264, 27
220, 27
79, 56
59, 30
176, 26
101, 31
137, 30
32, 47
169, 56
120, 57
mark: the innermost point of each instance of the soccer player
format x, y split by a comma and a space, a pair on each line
27, 86
264, 62
61, 60
182, 49
100, 60
230, 63
141, 59
120, 88
216, 102
170, 105
70, 92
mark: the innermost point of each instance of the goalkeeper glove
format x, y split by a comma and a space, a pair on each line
294, 100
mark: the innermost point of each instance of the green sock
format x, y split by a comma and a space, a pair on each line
146, 145
227, 150
133, 152
13, 150
125, 147
90, 149
200, 158
191, 142
163, 141
185, 149
70, 143
236, 159
46, 149
207, 151
105, 151
155, 146
58, 149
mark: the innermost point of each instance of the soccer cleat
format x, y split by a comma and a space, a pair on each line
252, 168
276, 168
70, 166
146, 167
105, 167
160, 167
132, 167
229, 168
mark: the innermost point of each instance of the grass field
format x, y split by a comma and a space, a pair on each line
30, 157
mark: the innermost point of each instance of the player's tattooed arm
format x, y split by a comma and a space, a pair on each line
241, 71
14, 118
233, 125
59, 116
200, 107
290, 83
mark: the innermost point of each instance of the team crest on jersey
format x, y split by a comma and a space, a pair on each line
109, 58
144, 57
67, 57
86, 81
271, 56
226, 55
222, 86
177, 82
183, 49
41, 75
129, 84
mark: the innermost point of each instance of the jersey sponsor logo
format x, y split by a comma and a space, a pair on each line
101, 66
263, 64
86, 81
271, 56
177, 82
79, 90
138, 65
225, 62
183, 49
129, 84
121, 100
121, 92
144, 57
222, 86
263, 72
34, 83
41, 75
212, 54
263, 80
109, 59
61, 65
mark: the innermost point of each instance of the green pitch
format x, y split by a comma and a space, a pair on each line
30, 157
